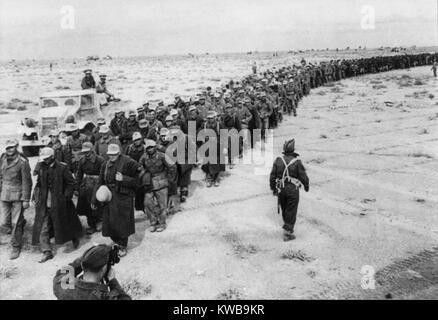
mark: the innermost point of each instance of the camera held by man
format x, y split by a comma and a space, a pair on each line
90, 277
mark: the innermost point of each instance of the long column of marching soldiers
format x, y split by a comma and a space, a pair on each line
122, 166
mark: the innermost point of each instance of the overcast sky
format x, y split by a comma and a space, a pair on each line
32, 28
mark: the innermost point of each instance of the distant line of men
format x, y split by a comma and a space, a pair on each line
128, 155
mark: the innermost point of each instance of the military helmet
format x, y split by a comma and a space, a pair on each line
103, 194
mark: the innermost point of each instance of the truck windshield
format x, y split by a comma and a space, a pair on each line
49, 103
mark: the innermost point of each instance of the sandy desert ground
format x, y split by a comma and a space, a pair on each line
370, 147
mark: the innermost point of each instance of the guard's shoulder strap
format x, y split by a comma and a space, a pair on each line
287, 165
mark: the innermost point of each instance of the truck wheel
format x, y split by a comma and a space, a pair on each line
31, 151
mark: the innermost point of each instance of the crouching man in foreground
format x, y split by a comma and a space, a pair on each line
90, 277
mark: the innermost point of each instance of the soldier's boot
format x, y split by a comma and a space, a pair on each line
47, 255
15, 253
91, 230
98, 226
210, 183
161, 227
184, 194
75, 243
153, 227
216, 183
123, 251
288, 236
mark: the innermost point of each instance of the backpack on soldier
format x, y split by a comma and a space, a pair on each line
280, 183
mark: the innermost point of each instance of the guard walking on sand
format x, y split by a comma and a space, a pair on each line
288, 175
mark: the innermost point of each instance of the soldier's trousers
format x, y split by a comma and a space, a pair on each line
156, 214
264, 126
289, 198
45, 233
13, 219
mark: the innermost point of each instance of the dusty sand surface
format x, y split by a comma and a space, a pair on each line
372, 201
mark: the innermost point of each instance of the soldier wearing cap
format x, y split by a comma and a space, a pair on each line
168, 122
265, 110
119, 174
96, 134
153, 124
75, 139
287, 176
178, 120
55, 213
131, 126
140, 113
136, 149
162, 113
87, 178
87, 278
157, 175
163, 141
101, 88
15, 190
230, 121
143, 124
88, 80
193, 116
254, 123
62, 152
119, 125
179, 103
214, 167
245, 117
184, 163
106, 138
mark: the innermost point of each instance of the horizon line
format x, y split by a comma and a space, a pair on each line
364, 48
